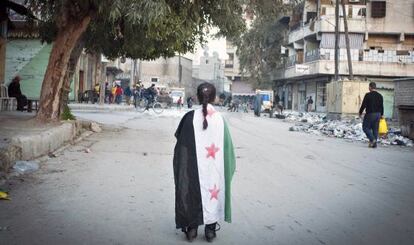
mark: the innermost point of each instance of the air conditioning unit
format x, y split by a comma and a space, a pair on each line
354, 1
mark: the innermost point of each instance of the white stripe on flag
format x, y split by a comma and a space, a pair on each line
210, 160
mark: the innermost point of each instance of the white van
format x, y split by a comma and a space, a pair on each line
176, 93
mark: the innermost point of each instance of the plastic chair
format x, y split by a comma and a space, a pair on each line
6, 102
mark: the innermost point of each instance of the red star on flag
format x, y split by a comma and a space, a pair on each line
210, 112
214, 192
211, 151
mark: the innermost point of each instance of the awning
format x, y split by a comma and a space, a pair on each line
243, 94
113, 69
356, 41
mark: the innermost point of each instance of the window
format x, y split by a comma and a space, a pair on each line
378, 9
361, 55
230, 61
362, 12
154, 79
321, 94
403, 52
323, 11
310, 16
350, 11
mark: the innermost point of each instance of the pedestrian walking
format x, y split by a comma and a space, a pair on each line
118, 92
189, 102
113, 93
179, 102
257, 104
128, 94
107, 93
309, 104
374, 111
204, 163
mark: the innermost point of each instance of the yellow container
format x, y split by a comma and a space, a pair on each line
383, 128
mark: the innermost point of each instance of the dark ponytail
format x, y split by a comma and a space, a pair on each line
205, 123
206, 93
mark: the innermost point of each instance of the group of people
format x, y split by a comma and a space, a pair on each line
180, 102
117, 94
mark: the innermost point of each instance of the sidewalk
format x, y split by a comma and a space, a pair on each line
23, 138
98, 107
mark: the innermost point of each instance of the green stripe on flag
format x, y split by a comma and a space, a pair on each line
229, 168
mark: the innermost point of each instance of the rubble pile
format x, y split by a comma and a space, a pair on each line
318, 124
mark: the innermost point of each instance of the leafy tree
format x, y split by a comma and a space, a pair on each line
259, 48
144, 29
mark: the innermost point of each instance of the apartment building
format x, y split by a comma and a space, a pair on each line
211, 69
240, 85
381, 36
165, 73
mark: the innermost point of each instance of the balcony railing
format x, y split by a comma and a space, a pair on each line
312, 55
383, 56
291, 61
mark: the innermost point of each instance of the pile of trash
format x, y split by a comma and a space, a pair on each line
351, 129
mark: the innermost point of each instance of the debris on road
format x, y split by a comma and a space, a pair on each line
4, 196
351, 129
87, 150
4, 228
24, 167
52, 155
95, 127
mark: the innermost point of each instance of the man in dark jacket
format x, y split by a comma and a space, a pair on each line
14, 91
374, 110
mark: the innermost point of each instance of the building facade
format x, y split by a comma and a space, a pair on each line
22, 53
381, 36
165, 73
239, 83
211, 70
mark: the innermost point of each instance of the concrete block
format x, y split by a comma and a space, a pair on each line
36, 145
8, 155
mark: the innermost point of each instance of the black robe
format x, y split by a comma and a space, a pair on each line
188, 205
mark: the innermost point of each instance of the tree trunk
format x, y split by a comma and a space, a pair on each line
348, 49
50, 98
103, 85
73, 61
98, 75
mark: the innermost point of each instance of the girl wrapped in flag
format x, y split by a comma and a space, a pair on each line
204, 164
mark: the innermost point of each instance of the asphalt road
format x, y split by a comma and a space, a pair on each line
289, 188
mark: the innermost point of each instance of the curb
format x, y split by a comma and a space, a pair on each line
36, 146
5, 176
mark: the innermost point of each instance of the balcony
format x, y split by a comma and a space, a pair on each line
325, 24
372, 63
300, 31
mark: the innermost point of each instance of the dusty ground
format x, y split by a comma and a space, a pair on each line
14, 123
289, 188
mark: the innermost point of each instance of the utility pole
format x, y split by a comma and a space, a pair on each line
348, 48
337, 40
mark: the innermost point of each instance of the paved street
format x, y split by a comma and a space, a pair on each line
289, 188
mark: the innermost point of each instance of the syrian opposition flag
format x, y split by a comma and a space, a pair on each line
204, 163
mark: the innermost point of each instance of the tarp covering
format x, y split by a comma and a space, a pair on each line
356, 41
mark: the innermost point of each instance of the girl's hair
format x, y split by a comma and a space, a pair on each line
206, 93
